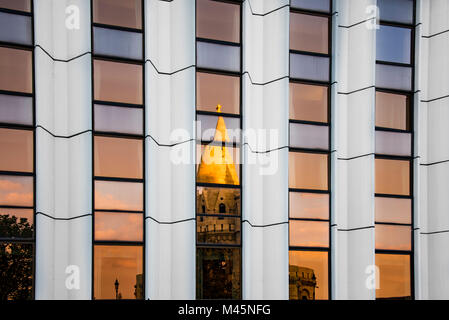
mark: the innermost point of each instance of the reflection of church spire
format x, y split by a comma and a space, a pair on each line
216, 164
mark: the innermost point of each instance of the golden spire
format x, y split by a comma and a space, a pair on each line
217, 165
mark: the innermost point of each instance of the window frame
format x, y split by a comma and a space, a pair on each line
328, 152
28, 127
142, 137
238, 145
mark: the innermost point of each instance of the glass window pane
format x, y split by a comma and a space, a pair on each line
118, 226
16, 109
394, 273
393, 177
210, 128
118, 82
309, 205
393, 77
391, 237
218, 20
312, 268
215, 89
113, 195
218, 230
124, 13
118, 43
393, 210
315, 5
16, 223
392, 110
224, 201
15, 28
217, 164
16, 149
118, 157
118, 119
16, 191
16, 70
17, 277
217, 56
309, 33
396, 11
308, 102
308, 170
218, 273
309, 67
20, 5
393, 44
309, 233
118, 263
393, 143
309, 136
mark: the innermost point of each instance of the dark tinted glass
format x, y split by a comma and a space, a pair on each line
396, 10
315, 5
309, 33
16, 276
394, 272
16, 109
218, 56
393, 44
226, 201
308, 102
118, 119
118, 263
15, 28
16, 223
218, 20
309, 67
16, 149
309, 136
218, 273
118, 43
124, 13
118, 157
308, 275
215, 89
16, 70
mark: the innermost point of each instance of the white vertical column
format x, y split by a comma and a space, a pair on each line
265, 80
170, 149
354, 133
63, 149
433, 106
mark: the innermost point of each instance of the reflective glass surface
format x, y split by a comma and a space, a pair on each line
308, 102
16, 191
308, 275
309, 205
309, 233
16, 70
118, 226
118, 272
308, 171
16, 149
218, 273
113, 195
394, 272
392, 176
309, 33
118, 157
123, 13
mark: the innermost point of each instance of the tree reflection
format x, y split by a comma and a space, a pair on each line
16, 259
